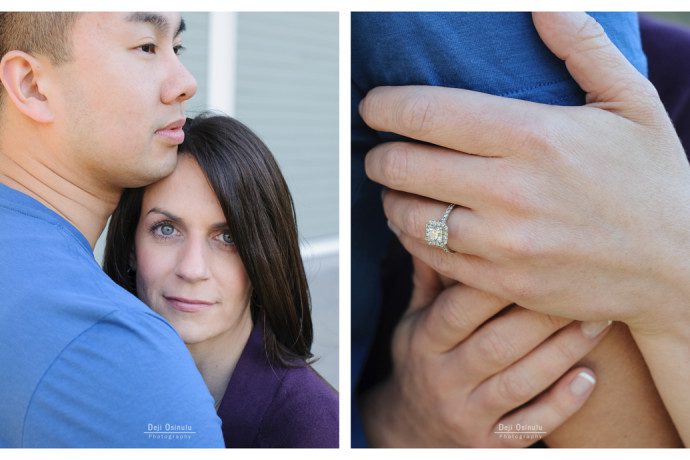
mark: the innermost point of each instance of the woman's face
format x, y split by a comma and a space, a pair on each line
188, 269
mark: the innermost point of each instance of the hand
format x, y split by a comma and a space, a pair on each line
581, 212
461, 370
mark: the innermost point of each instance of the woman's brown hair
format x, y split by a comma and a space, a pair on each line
260, 213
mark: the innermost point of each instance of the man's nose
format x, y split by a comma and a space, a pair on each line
180, 85
192, 263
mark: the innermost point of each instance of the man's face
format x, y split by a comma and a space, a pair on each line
120, 99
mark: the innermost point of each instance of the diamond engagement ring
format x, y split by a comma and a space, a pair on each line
437, 231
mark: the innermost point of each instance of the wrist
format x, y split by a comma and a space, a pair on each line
666, 311
377, 407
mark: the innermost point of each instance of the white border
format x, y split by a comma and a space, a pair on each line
345, 344
344, 7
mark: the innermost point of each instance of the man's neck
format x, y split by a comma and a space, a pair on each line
87, 211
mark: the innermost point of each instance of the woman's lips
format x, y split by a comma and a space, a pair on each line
187, 305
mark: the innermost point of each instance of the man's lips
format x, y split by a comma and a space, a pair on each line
187, 305
173, 132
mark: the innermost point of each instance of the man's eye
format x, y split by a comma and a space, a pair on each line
178, 49
148, 48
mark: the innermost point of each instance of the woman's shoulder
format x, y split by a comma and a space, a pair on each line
303, 411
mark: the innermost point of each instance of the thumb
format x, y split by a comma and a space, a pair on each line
596, 64
426, 285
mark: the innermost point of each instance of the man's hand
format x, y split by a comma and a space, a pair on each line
581, 212
463, 371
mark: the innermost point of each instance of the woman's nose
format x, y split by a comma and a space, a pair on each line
192, 264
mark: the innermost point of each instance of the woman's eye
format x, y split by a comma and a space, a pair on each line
167, 230
226, 238
178, 49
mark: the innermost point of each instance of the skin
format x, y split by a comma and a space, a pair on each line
459, 368
625, 409
571, 211
184, 252
73, 136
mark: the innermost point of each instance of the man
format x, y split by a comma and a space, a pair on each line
91, 103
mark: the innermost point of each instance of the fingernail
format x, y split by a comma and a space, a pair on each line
592, 329
384, 190
582, 383
394, 229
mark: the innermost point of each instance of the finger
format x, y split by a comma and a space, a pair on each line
535, 372
456, 177
462, 120
455, 314
541, 417
467, 268
426, 285
505, 340
596, 64
410, 214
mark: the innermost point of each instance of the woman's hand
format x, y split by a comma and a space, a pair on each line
465, 366
581, 212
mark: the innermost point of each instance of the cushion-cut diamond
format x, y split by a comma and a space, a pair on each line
437, 233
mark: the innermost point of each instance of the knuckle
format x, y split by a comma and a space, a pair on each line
451, 313
567, 351
494, 348
519, 287
646, 103
395, 165
413, 219
416, 114
537, 135
401, 343
516, 197
514, 387
520, 244
591, 35
552, 322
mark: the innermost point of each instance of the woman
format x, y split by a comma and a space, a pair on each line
213, 248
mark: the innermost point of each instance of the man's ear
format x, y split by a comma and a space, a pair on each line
20, 74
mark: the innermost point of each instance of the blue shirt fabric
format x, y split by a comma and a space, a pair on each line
497, 53
84, 363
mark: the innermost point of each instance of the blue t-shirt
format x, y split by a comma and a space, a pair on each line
84, 363
496, 53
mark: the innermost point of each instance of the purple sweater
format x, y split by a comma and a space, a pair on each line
273, 406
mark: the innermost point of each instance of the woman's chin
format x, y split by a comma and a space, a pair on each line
190, 333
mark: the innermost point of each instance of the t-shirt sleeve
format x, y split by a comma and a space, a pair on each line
127, 381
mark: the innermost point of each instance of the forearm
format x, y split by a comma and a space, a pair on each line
668, 358
625, 409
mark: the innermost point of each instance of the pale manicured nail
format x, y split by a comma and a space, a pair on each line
394, 229
592, 329
582, 383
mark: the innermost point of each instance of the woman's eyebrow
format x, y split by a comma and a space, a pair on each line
167, 214
220, 226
